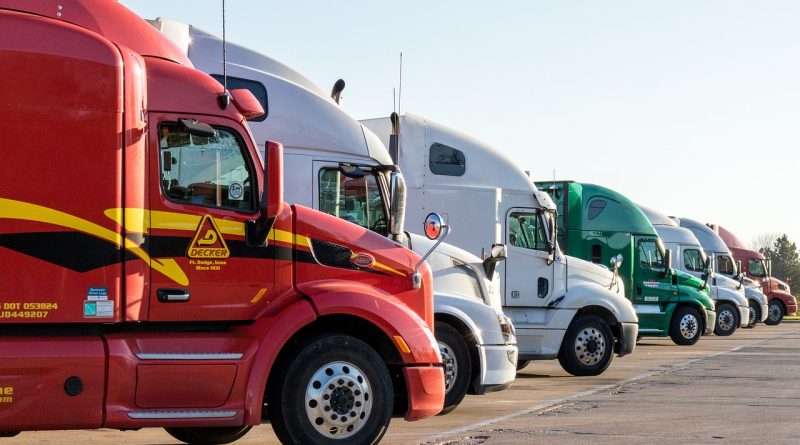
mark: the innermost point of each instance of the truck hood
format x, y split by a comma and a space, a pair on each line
458, 273
582, 270
685, 279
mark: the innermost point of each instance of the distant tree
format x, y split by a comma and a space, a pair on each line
785, 261
764, 241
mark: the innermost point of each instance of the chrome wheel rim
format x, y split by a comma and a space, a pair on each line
338, 400
590, 346
689, 326
774, 312
450, 366
725, 320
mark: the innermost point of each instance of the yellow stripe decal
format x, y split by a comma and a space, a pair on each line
12, 209
259, 295
388, 269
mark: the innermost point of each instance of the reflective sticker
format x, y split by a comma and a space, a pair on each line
235, 191
650, 298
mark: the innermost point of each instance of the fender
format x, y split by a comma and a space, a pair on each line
273, 333
385, 311
586, 294
787, 299
479, 318
725, 294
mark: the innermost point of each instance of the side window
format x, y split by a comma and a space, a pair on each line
448, 161
525, 230
693, 260
756, 268
357, 200
257, 88
725, 265
650, 255
206, 171
596, 206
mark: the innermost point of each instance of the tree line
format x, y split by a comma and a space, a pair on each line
784, 255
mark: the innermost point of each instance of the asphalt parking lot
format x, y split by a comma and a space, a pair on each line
736, 389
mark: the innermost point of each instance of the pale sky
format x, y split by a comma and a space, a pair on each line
689, 107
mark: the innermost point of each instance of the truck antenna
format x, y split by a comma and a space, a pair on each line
400, 88
224, 98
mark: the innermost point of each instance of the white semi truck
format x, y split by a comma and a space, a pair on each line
335, 165
733, 309
562, 307
725, 267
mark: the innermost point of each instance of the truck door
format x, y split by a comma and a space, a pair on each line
202, 190
528, 279
652, 289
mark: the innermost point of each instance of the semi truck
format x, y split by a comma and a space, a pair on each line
688, 256
598, 224
756, 266
562, 307
343, 169
157, 278
727, 270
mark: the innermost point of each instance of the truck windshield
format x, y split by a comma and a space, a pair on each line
526, 230
358, 200
757, 268
650, 254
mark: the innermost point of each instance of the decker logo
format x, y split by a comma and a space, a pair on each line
207, 241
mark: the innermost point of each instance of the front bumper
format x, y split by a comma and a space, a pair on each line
499, 367
791, 307
711, 322
425, 385
744, 316
764, 312
627, 338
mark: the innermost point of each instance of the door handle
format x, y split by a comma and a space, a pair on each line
173, 295
543, 287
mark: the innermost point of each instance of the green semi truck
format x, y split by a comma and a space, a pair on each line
598, 224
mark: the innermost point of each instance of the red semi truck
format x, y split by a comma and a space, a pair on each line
151, 274
757, 267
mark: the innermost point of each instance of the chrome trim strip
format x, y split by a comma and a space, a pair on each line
189, 356
181, 414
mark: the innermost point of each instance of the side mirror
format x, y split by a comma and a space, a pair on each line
667, 261
769, 267
397, 189
616, 261
435, 229
498, 253
271, 204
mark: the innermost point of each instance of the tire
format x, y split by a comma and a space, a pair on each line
686, 327
727, 320
588, 346
335, 389
521, 364
457, 365
755, 314
209, 435
775, 313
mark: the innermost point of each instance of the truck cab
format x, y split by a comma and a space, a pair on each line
157, 278
688, 256
726, 269
757, 267
598, 224
485, 197
341, 168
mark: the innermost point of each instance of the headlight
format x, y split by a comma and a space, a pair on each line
507, 329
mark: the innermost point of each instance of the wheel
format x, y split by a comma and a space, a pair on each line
685, 328
587, 348
334, 389
209, 435
775, 313
457, 365
521, 364
727, 320
755, 314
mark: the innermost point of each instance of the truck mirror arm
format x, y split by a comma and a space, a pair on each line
416, 277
